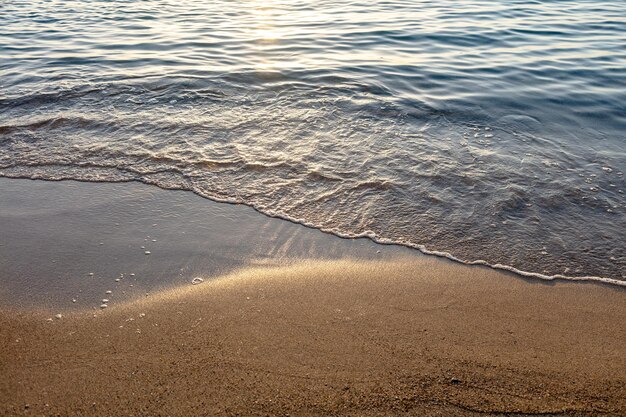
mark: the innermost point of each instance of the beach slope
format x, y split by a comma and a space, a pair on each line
407, 337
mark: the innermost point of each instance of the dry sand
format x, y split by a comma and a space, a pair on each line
416, 337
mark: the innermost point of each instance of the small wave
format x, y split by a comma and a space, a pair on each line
55, 123
123, 177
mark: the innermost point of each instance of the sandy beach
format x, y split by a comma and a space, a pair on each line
328, 338
312, 208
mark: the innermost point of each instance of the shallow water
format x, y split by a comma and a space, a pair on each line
489, 131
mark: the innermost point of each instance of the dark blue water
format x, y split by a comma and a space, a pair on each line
490, 131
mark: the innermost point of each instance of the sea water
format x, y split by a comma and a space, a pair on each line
485, 131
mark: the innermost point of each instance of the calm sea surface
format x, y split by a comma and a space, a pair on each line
491, 131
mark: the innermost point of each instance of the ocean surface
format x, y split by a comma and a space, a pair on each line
485, 131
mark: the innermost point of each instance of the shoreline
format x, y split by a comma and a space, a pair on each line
422, 249
414, 337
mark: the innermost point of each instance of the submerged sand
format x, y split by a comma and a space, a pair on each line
408, 337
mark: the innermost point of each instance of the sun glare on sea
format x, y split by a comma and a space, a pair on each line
265, 18
269, 21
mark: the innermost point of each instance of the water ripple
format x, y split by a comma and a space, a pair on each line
486, 131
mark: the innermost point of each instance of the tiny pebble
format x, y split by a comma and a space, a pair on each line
117, 280
142, 314
132, 275
59, 316
103, 306
109, 292
91, 274
147, 252
73, 300
197, 280
105, 300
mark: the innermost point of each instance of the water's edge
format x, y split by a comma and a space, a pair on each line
369, 235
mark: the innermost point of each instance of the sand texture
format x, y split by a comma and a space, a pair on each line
423, 338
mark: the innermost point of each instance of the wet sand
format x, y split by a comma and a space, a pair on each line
69, 240
407, 337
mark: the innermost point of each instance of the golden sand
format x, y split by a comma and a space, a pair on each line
410, 337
